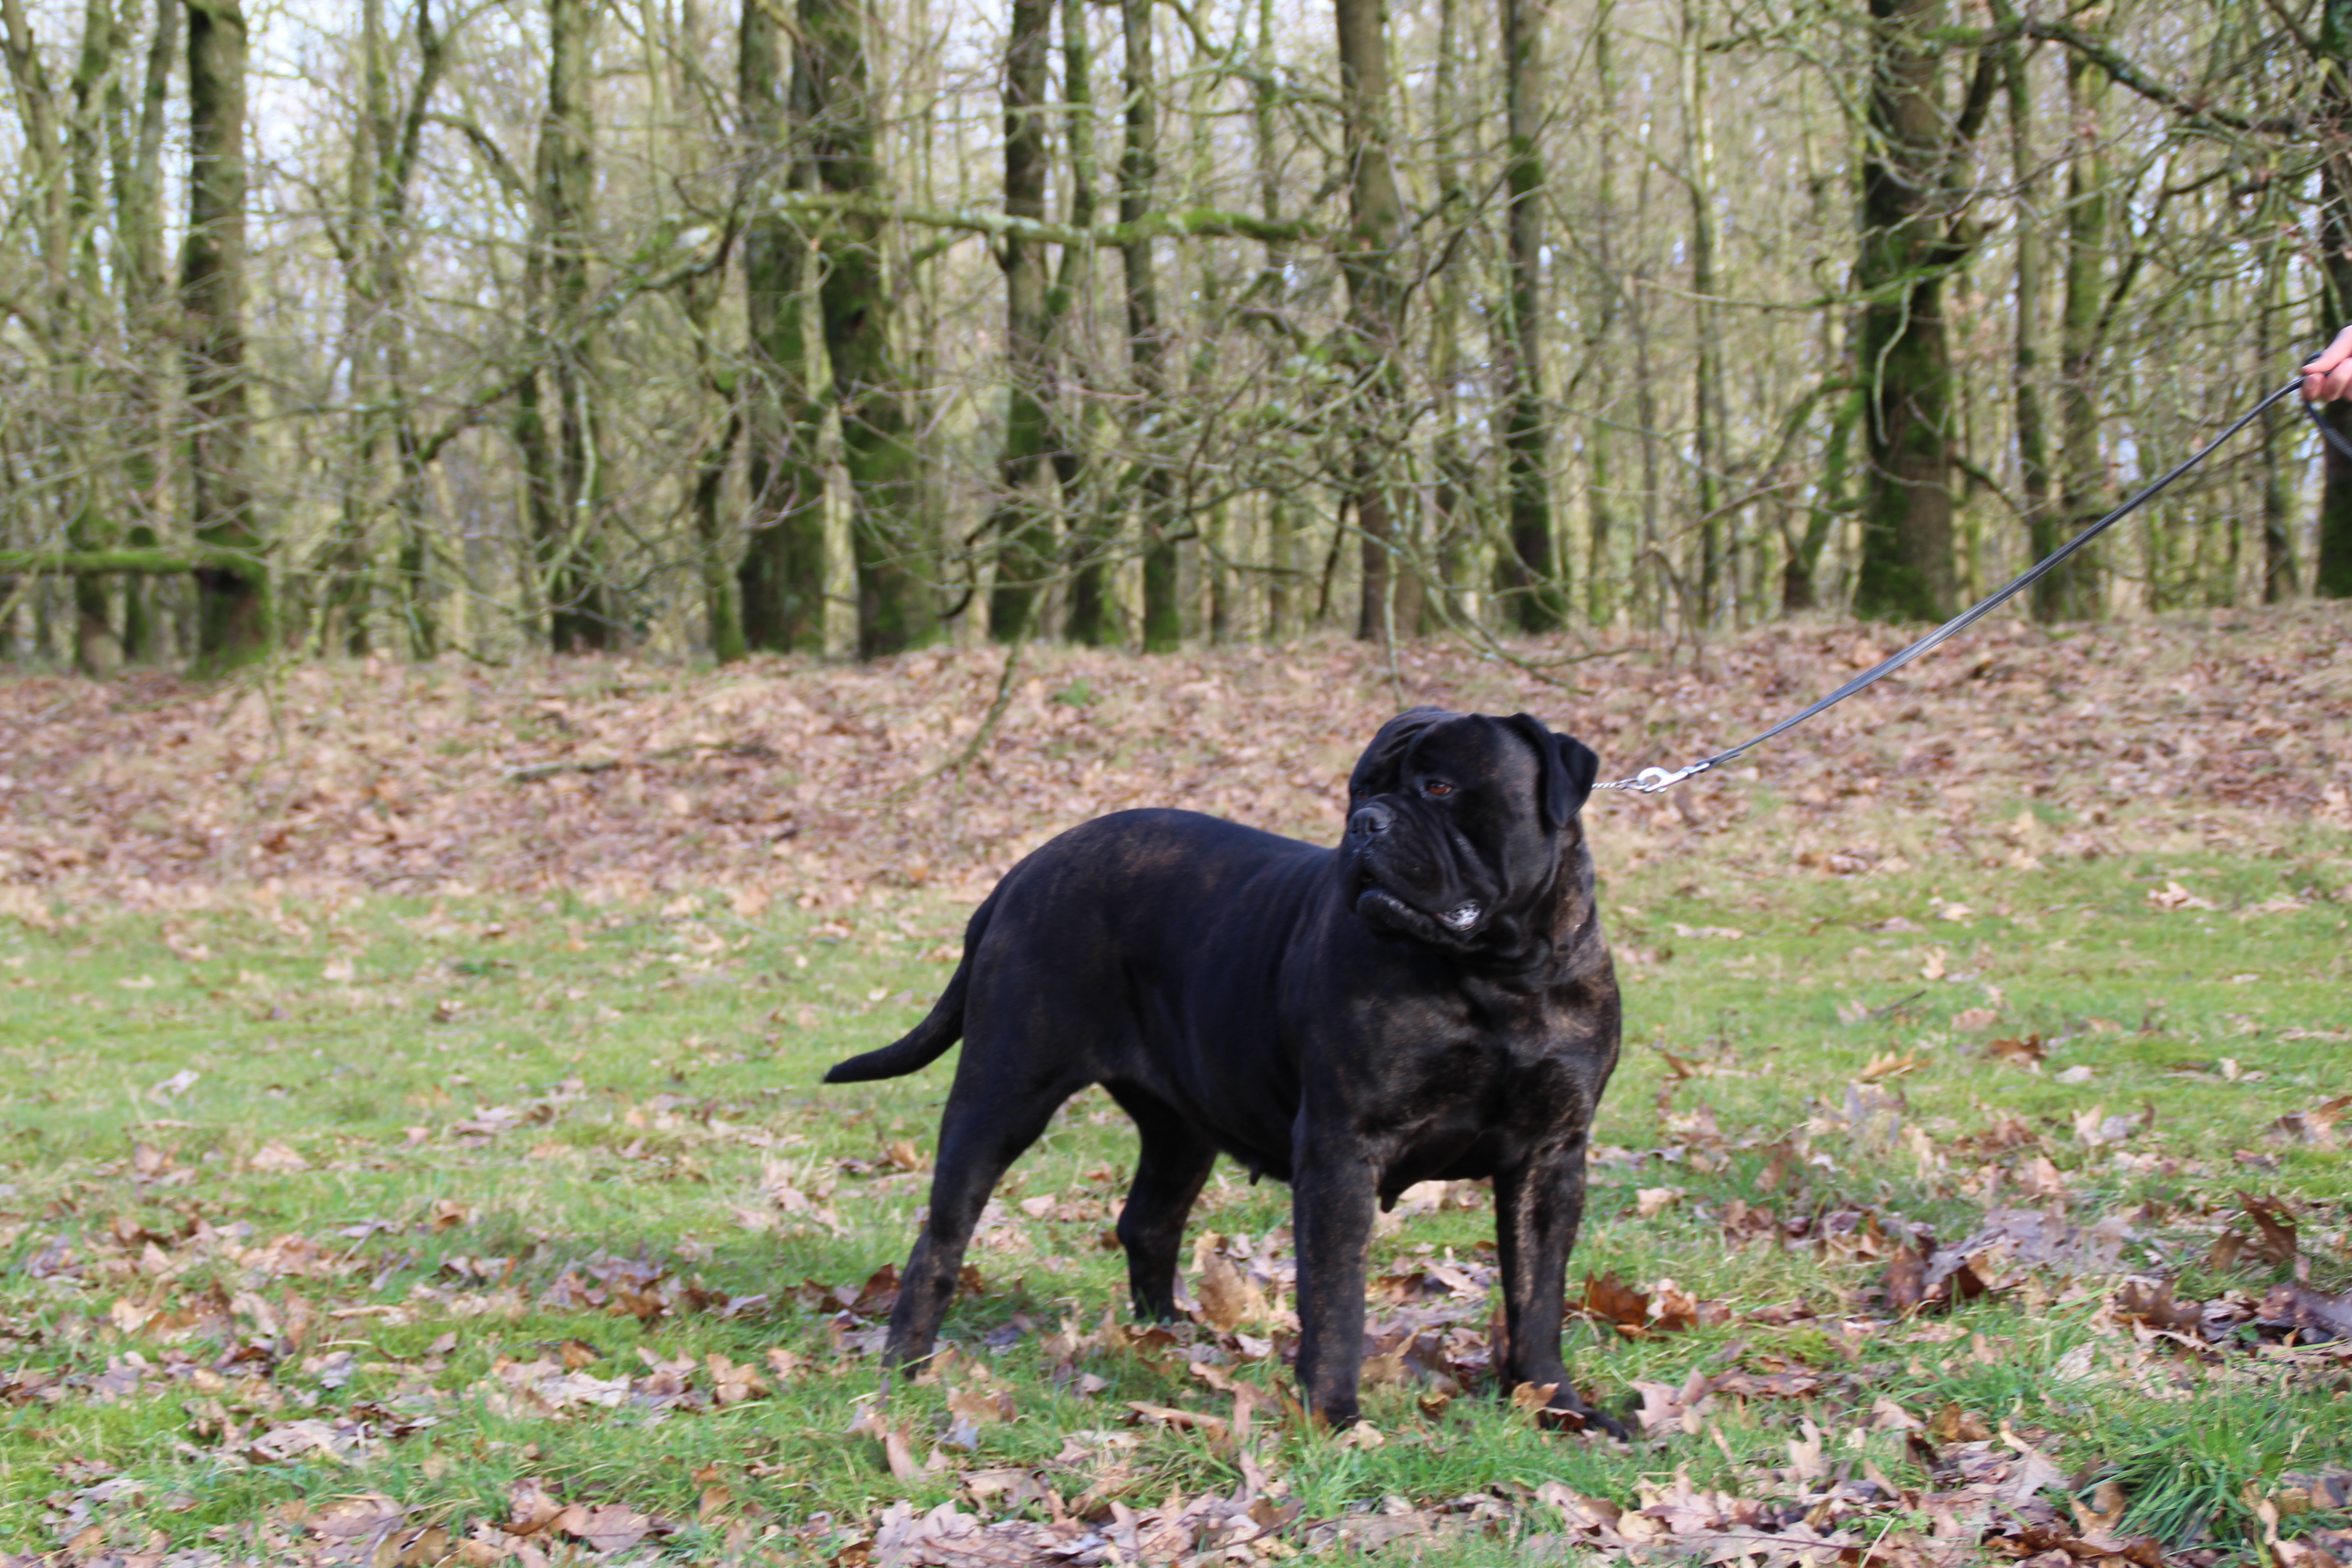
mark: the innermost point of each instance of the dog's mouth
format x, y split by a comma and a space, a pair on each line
1382, 906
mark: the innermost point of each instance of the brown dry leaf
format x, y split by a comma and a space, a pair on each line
1891, 1064
1227, 1298
2275, 1222
1533, 1398
1954, 1425
2102, 1512
2137, 1304
978, 1405
530, 1507
276, 1158
2173, 898
1805, 1461
1667, 1409
2308, 1309
1649, 1202
731, 1383
1970, 1019
350, 1518
1214, 1427
2026, 1051
1610, 1298
902, 1153
878, 1296
1578, 1511
1885, 1415
614, 1527
1906, 1281
897, 1447
1673, 1310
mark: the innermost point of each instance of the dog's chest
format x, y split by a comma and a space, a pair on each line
1469, 1106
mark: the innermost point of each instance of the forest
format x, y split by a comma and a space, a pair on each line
479, 326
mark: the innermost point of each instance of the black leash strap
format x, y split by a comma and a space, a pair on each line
1650, 780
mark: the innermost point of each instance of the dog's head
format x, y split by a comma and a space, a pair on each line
1458, 826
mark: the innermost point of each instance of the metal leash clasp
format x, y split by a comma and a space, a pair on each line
1650, 780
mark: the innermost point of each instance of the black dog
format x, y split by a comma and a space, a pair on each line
1430, 1001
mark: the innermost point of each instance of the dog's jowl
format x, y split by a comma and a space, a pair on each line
1432, 1000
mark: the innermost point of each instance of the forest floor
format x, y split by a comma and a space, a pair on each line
411, 1148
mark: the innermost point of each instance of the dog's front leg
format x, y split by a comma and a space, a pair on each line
1538, 1204
1333, 1197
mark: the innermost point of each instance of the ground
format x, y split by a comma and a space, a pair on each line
413, 1150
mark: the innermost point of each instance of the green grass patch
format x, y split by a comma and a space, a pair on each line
436, 1201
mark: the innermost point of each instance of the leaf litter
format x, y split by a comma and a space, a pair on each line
785, 777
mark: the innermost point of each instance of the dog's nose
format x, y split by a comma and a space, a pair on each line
1371, 821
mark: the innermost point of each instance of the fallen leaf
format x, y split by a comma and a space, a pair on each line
2027, 1051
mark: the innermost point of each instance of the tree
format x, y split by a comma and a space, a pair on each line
855, 306
1147, 343
2076, 590
235, 624
1021, 523
781, 578
2331, 575
564, 469
1538, 589
1375, 295
373, 244
1914, 231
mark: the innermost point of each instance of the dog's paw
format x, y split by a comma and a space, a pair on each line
1581, 1418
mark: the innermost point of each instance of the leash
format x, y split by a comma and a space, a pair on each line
1650, 780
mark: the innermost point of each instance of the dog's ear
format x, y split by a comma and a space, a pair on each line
1376, 769
1565, 769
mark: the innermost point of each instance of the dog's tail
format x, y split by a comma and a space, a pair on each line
928, 1041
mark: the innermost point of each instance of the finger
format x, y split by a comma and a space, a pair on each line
2329, 375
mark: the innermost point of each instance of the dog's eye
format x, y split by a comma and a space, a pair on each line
1438, 787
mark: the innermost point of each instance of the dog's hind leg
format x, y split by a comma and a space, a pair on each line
980, 1135
1169, 1174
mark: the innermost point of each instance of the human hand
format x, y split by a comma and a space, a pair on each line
2329, 376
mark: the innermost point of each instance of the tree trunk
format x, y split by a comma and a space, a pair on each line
1139, 179
149, 321
1022, 524
233, 615
1906, 570
887, 538
2278, 535
2076, 590
1450, 510
1601, 312
1284, 583
1091, 617
1375, 300
1715, 576
2041, 530
1800, 570
1539, 596
563, 466
2331, 575
343, 618
780, 581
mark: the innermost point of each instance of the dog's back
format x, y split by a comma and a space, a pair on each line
1085, 909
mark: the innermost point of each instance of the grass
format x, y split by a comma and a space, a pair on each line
451, 1105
